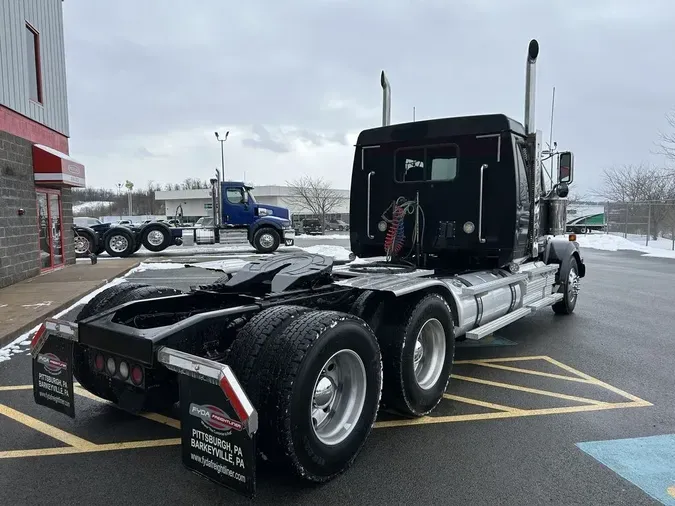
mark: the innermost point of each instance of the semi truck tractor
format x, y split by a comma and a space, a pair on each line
292, 357
238, 219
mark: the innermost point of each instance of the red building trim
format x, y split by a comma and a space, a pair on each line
26, 128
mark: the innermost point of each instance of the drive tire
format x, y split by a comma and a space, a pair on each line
294, 361
247, 349
398, 336
161, 397
119, 242
266, 240
156, 237
88, 241
569, 301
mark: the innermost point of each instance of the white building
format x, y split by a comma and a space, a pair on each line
198, 203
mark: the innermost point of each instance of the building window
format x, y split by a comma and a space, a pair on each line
34, 64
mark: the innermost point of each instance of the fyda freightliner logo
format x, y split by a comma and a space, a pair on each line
53, 364
214, 418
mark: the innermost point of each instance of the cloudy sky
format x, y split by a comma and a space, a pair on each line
294, 81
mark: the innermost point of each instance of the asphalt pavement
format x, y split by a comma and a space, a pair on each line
526, 428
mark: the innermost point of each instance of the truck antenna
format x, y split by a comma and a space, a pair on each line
386, 100
413, 113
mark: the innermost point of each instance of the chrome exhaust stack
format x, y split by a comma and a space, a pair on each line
386, 100
530, 81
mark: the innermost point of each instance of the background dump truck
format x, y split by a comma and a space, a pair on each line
306, 351
237, 219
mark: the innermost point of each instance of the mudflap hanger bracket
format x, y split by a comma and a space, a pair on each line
218, 421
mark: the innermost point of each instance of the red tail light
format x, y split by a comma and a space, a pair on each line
137, 374
99, 362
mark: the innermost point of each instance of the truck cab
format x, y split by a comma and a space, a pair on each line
267, 226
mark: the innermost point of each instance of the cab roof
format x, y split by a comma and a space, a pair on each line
443, 127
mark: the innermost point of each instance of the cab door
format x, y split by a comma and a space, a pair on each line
237, 210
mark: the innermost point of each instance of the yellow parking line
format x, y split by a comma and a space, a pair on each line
155, 417
483, 404
530, 371
45, 428
529, 390
596, 381
506, 414
70, 450
16, 387
506, 359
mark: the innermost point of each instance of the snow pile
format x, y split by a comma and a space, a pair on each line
611, 242
344, 235
88, 206
339, 253
155, 266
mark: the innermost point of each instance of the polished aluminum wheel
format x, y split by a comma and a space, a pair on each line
118, 243
429, 354
155, 237
81, 244
338, 398
266, 241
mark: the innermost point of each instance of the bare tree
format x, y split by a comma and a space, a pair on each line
666, 142
315, 196
637, 185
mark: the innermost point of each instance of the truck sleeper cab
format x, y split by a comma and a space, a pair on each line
469, 177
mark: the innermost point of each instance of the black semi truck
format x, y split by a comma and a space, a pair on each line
291, 358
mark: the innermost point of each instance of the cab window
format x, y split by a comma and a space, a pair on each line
426, 163
236, 196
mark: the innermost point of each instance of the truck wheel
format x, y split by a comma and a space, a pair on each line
165, 394
325, 377
156, 237
266, 240
570, 289
85, 244
119, 242
418, 349
247, 348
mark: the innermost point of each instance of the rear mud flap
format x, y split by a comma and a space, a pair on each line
218, 422
52, 363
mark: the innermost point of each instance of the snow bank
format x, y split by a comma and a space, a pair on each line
339, 253
344, 235
611, 242
88, 206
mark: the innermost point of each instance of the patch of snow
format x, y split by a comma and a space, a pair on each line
155, 266
339, 253
322, 237
88, 206
612, 242
221, 265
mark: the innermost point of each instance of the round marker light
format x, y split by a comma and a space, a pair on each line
99, 363
137, 375
382, 226
468, 227
110, 365
124, 370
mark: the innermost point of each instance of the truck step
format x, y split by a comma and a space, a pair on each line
545, 269
492, 285
489, 328
547, 301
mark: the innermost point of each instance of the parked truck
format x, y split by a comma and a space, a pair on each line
292, 357
237, 218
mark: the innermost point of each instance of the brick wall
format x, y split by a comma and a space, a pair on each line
19, 256
19, 253
69, 237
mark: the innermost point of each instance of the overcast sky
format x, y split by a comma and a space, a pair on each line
294, 81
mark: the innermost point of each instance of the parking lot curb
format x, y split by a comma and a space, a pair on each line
8, 338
